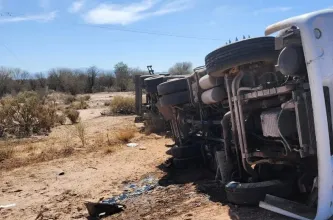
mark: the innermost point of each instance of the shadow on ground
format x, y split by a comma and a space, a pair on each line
204, 182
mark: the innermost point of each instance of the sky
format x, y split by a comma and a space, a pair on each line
38, 35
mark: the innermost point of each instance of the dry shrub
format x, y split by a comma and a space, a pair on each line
73, 115
122, 105
52, 154
81, 104
86, 97
80, 131
66, 151
107, 103
27, 114
6, 152
61, 118
110, 149
125, 135
69, 99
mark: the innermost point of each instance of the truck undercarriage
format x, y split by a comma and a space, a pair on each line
259, 114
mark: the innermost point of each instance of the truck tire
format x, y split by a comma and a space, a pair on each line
253, 193
142, 79
172, 86
186, 151
175, 99
152, 83
186, 163
240, 53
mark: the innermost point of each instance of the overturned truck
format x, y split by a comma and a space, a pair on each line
259, 114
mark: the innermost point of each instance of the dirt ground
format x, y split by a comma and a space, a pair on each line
58, 189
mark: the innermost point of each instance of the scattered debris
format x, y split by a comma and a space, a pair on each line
112, 205
100, 210
133, 189
132, 145
7, 206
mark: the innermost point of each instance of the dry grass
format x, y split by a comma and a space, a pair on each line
81, 133
51, 154
6, 152
125, 135
122, 105
24, 152
105, 143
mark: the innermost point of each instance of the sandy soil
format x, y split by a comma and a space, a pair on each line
40, 192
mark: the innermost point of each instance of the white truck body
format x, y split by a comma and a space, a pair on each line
317, 39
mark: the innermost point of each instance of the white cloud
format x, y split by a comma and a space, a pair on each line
76, 6
133, 12
45, 17
272, 10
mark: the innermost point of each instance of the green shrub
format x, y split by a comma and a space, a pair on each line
122, 105
73, 115
26, 113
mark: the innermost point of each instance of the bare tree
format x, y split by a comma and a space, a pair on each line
182, 68
41, 80
91, 80
5, 80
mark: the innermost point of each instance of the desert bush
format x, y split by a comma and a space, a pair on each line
73, 115
61, 118
6, 152
69, 99
107, 103
27, 113
80, 131
87, 97
81, 104
122, 105
125, 135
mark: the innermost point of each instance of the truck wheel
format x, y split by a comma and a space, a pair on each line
172, 86
142, 79
175, 99
152, 83
186, 151
186, 163
253, 193
240, 53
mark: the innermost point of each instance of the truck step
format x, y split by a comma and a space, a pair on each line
288, 208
